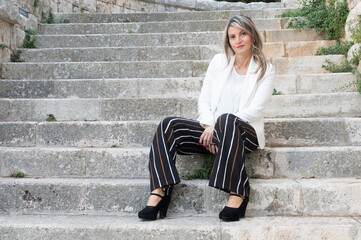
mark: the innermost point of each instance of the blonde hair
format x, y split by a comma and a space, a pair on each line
249, 27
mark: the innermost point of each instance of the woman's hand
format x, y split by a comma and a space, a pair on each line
206, 139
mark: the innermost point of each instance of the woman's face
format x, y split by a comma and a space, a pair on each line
240, 41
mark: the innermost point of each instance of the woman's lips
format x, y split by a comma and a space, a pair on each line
240, 46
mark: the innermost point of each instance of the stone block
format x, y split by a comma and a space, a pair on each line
353, 129
328, 197
292, 35
44, 163
82, 134
168, 87
139, 109
309, 48
62, 109
27, 195
27, 71
96, 88
286, 83
352, 20
27, 89
4, 109
325, 83
274, 50
354, 51
115, 162
317, 162
17, 134
305, 132
140, 134
86, 70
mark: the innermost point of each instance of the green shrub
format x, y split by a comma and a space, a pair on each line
29, 40
329, 20
343, 67
15, 56
47, 19
3, 46
206, 170
335, 49
36, 3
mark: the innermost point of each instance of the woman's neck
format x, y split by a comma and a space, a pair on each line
241, 63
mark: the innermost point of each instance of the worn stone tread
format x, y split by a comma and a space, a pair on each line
112, 109
162, 87
299, 162
150, 69
168, 16
91, 227
164, 39
282, 197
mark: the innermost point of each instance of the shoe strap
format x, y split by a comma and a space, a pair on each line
157, 195
233, 194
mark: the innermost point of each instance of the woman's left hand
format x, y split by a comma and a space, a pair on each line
206, 139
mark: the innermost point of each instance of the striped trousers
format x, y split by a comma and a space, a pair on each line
233, 137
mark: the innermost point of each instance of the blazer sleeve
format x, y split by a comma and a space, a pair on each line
263, 92
205, 98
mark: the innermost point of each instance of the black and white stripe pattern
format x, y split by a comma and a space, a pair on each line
233, 137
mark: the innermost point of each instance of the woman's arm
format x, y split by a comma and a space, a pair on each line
263, 93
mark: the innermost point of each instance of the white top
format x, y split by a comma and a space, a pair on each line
231, 94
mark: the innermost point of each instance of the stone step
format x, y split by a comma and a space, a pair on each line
149, 69
162, 87
292, 132
164, 39
290, 49
90, 109
284, 197
152, 27
90, 227
167, 16
300, 162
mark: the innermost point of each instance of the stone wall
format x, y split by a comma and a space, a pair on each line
355, 11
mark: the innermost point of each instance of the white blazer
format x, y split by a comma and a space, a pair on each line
253, 97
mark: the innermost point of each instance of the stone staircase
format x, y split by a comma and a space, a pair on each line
109, 79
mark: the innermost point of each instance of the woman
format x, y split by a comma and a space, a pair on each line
236, 87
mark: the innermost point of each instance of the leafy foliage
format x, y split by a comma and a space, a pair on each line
51, 118
47, 19
343, 67
29, 40
15, 56
329, 19
206, 170
3, 46
335, 49
36, 3
275, 92
17, 174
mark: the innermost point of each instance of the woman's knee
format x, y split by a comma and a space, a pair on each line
225, 117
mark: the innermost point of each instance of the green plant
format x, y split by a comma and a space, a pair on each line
339, 48
205, 171
345, 66
47, 19
82, 10
36, 3
29, 40
3, 46
17, 174
358, 82
15, 56
131, 31
356, 57
276, 93
114, 146
328, 19
51, 118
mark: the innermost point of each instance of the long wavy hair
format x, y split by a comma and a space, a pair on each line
249, 27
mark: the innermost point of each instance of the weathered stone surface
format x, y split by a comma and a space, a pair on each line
352, 20
13, 134
291, 35
84, 134
28, 195
141, 133
27, 89
354, 51
4, 110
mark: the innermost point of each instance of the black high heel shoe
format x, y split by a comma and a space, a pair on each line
234, 214
151, 212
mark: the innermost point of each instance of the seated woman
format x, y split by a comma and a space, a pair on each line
236, 87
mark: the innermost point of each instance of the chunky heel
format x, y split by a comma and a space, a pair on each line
151, 213
234, 214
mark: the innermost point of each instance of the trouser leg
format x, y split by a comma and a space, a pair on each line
234, 139
173, 135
